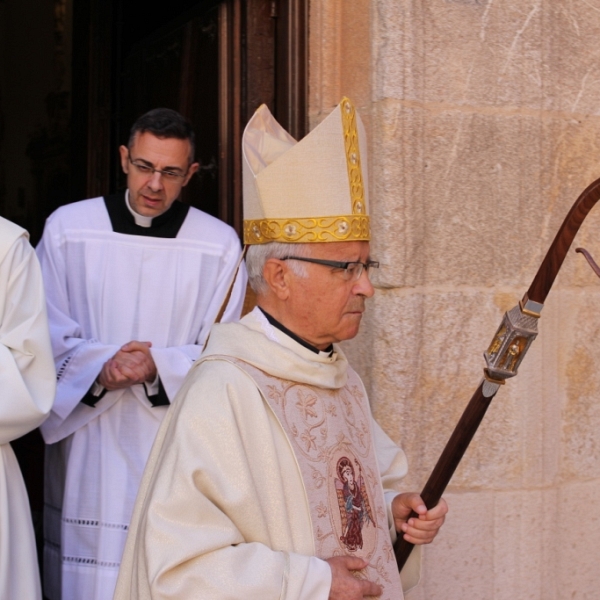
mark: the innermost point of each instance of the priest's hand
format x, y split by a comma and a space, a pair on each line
419, 530
344, 584
131, 365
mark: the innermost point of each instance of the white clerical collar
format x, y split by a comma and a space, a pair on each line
140, 220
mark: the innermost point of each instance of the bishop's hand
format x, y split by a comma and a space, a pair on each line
344, 585
423, 528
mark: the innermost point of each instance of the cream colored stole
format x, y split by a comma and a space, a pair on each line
330, 433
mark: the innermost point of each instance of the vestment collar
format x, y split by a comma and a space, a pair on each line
255, 341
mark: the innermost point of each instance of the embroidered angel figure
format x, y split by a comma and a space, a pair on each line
353, 502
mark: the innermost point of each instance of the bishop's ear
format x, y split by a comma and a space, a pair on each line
276, 274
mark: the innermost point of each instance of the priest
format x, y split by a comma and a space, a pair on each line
269, 478
27, 385
134, 281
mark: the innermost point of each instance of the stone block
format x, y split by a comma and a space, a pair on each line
495, 546
575, 537
340, 59
571, 72
578, 348
459, 53
419, 353
427, 347
459, 564
474, 199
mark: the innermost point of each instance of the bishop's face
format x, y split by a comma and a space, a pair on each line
324, 307
152, 193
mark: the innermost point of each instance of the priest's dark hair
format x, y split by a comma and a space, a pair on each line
164, 123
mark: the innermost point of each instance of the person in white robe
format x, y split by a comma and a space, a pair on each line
134, 282
269, 479
27, 384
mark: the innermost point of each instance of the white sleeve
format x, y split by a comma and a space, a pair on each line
78, 360
27, 375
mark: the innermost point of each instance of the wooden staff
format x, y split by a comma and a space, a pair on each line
503, 357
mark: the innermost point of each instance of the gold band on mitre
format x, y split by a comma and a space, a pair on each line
320, 229
307, 191
357, 189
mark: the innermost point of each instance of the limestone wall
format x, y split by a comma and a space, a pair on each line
484, 124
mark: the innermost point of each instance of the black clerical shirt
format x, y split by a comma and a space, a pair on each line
291, 334
166, 225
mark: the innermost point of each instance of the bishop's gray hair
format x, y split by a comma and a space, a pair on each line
259, 254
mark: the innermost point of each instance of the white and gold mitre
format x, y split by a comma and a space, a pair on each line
314, 190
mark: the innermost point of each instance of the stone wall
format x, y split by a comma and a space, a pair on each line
484, 125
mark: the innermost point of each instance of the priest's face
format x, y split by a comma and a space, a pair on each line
151, 192
323, 307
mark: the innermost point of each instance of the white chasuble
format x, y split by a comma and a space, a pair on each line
228, 506
330, 433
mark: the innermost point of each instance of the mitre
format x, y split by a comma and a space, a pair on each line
314, 190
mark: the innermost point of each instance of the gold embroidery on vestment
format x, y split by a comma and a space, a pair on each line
330, 434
